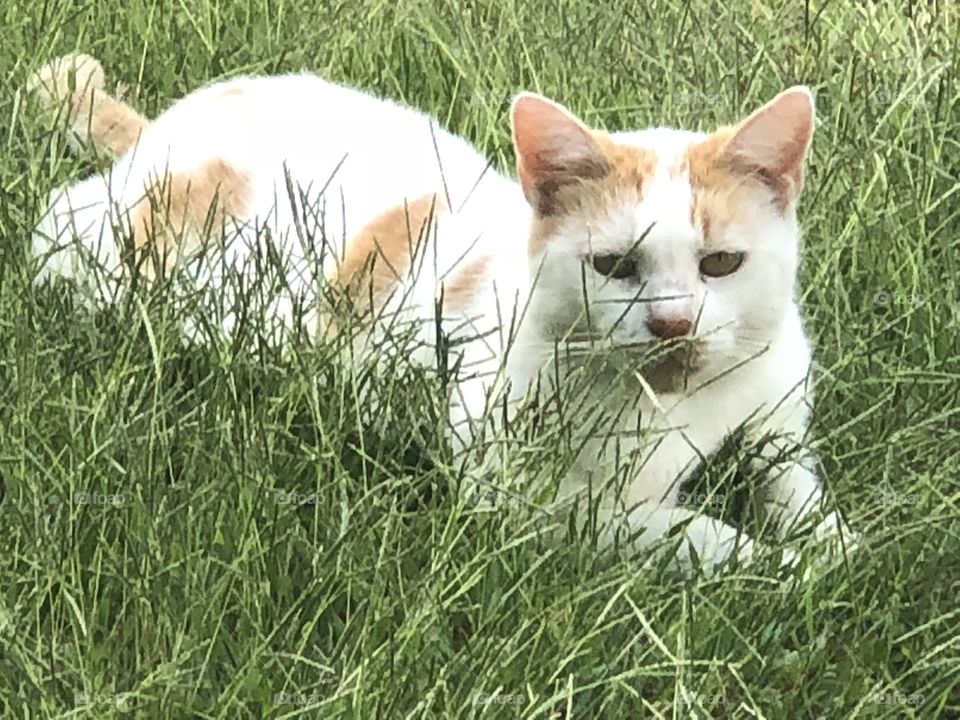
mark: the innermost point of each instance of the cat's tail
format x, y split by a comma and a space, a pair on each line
74, 84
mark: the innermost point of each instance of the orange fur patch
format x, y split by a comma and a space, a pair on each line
107, 123
631, 169
722, 193
376, 258
233, 91
465, 282
177, 210
721, 188
75, 83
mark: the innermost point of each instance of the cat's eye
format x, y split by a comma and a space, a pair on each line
615, 266
719, 264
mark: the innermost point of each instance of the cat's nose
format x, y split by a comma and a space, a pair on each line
667, 327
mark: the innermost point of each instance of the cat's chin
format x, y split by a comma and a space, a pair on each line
674, 369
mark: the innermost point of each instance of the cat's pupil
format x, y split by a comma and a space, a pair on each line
615, 266
721, 263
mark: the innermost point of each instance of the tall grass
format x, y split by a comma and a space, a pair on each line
225, 533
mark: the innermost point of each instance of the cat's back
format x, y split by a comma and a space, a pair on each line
308, 134
254, 114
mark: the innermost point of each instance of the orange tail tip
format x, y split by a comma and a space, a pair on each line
96, 118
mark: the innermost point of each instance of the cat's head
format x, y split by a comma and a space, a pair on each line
665, 238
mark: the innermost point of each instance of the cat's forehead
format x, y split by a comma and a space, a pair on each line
665, 153
663, 180
666, 196
672, 187
665, 142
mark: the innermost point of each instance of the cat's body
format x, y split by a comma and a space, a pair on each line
328, 146
512, 262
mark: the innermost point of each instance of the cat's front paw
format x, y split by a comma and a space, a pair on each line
832, 543
57, 81
833, 530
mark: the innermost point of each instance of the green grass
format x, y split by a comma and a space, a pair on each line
187, 585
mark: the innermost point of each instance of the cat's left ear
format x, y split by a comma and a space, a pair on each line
773, 141
554, 150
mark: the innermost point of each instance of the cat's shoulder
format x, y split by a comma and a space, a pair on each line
253, 86
295, 97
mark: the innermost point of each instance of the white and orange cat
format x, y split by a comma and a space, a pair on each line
664, 261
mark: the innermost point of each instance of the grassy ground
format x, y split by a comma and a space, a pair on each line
221, 534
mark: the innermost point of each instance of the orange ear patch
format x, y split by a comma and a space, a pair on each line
633, 167
773, 142
177, 210
631, 170
701, 161
768, 148
567, 169
716, 200
376, 258
554, 151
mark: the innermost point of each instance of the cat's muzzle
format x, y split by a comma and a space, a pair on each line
670, 366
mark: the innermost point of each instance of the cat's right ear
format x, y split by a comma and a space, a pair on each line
773, 142
554, 149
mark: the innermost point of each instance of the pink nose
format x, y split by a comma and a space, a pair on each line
668, 328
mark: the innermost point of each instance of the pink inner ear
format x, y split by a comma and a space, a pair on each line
553, 149
774, 140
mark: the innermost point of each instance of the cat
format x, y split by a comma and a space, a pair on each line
660, 265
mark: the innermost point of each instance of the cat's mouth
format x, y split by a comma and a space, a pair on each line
670, 366
667, 366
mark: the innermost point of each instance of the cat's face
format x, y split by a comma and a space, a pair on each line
678, 242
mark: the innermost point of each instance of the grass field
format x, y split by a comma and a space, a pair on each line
226, 534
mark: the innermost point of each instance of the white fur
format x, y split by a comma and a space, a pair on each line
306, 127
